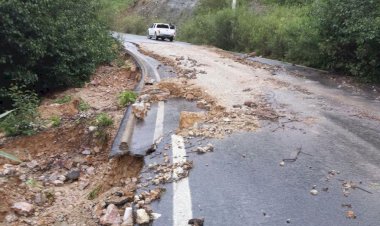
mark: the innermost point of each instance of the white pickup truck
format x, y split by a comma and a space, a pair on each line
162, 31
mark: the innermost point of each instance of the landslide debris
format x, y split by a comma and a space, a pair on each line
65, 176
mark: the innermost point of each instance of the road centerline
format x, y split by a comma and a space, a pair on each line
182, 206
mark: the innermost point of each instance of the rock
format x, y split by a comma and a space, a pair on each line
313, 192
8, 170
90, 170
196, 222
142, 216
33, 164
250, 104
86, 152
282, 163
189, 96
128, 217
68, 164
226, 119
205, 149
111, 217
9, 218
92, 128
40, 199
96, 149
144, 98
73, 175
58, 182
23, 208
350, 214
155, 216
140, 110
188, 119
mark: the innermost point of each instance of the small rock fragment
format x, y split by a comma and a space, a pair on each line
73, 175
128, 217
140, 110
314, 192
350, 214
86, 152
92, 128
23, 208
111, 216
155, 216
282, 163
196, 222
9, 218
142, 216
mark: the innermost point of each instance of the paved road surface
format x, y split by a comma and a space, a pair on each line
241, 183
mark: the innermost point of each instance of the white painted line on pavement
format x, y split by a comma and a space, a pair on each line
182, 207
159, 129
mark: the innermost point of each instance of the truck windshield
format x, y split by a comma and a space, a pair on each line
162, 26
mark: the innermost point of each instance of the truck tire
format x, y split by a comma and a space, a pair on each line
155, 36
171, 39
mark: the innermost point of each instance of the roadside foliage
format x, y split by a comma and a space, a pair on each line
47, 45
343, 36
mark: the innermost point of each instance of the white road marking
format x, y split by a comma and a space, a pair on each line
182, 206
159, 129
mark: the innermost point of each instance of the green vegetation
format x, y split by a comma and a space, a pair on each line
22, 120
63, 100
45, 46
339, 35
83, 106
103, 120
56, 121
94, 193
127, 97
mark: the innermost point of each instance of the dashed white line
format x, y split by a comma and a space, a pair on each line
182, 206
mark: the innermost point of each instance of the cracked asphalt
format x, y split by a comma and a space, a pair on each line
242, 182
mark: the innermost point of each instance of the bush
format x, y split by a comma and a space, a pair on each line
126, 98
103, 120
350, 36
51, 44
22, 120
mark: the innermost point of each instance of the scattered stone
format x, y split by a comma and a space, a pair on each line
196, 222
73, 175
58, 182
86, 152
205, 149
128, 217
314, 191
237, 106
140, 110
189, 96
40, 199
111, 217
9, 218
247, 90
23, 208
350, 214
92, 128
282, 163
142, 216
32, 164
155, 216
144, 98
90, 170
288, 221
250, 104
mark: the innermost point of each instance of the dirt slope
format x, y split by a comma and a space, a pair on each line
173, 11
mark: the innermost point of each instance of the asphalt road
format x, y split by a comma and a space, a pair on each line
242, 183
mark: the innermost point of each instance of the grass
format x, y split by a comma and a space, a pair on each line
94, 193
55, 120
63, 100
103, 120
83, 106
127, 97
